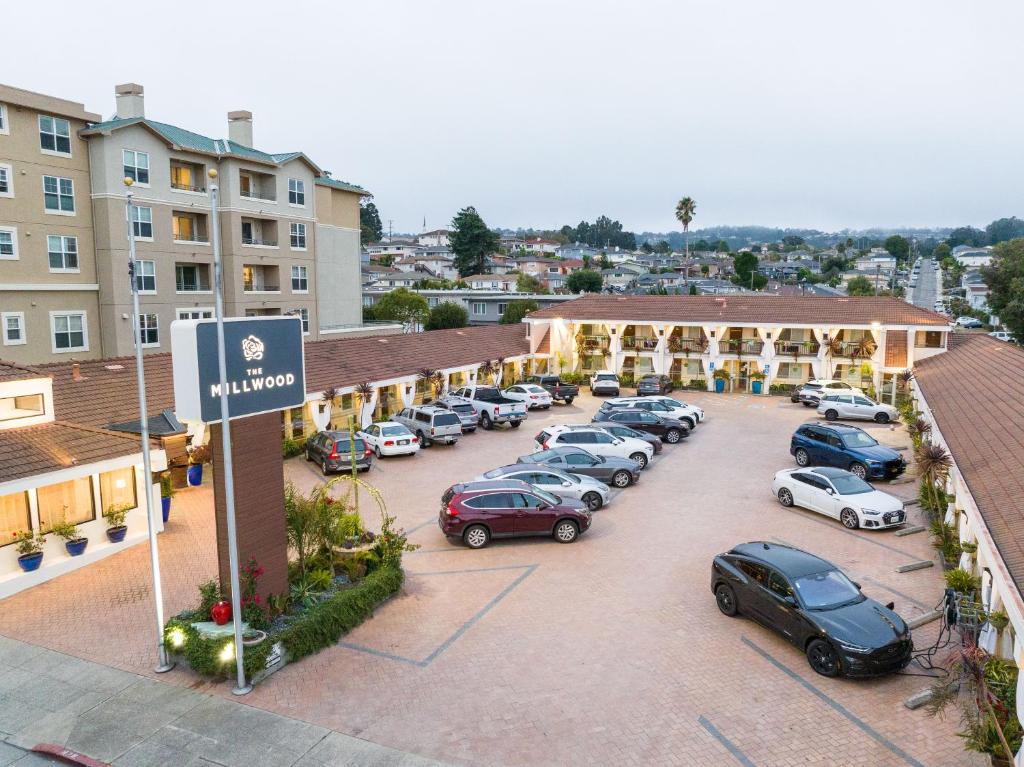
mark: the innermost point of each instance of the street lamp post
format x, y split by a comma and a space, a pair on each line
164, 663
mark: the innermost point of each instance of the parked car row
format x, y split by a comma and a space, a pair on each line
838, 399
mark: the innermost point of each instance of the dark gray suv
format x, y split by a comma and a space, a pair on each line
333, 451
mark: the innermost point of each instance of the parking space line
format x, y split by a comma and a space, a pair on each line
529, 569
731, 747
835, 705
808, 516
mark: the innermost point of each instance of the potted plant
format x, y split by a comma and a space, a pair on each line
74, 542
721, 378
998, 619
30, 549
757, 381
969, 547
196, 458
167, 492
116, 528
961, 581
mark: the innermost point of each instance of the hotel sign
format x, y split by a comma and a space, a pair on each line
264, 360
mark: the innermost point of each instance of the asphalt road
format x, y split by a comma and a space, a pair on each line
927, 290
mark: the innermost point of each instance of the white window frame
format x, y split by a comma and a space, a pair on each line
54, 152
13, 231
20, 316
139, 273
9, 175
5, 126
135, 153
185, 314
156, 327
304, 319
293, 231
85, 330
137, 219
478, 304
197, 266
60, 212
297, 187
65, 269
304, 278
502, 308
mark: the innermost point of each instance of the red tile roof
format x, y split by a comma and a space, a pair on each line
976, 394
861, 310
896, 348
48, 447
11, 371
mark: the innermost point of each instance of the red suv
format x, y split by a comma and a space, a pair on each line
475, 512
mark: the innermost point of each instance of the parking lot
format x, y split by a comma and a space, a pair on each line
610, 650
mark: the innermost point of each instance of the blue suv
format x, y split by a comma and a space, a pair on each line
846, 447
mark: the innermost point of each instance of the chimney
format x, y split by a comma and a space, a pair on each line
240, 127
130, 100
76, 371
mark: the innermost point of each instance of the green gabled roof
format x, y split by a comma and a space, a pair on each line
342, 185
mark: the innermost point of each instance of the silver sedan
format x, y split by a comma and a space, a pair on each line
590, 491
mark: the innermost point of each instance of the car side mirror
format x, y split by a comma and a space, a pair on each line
790, 601
856, 584
830, 491
890, 606
567, 484
543, 507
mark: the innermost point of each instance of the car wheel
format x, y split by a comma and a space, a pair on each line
860, 470
794, 400
672, 436
881, 418
621, 479
566, 531
823, 657
831, 415
569, 401
376, 451
690, 423
476, 536
323, 467
849, 519
808, 404
785, 497
726, 599
516, 424
802, 459
641, 459
308, 456
593, 501
485, 421
424, 442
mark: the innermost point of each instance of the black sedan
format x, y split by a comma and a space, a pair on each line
617, 472
654, 384
813, 605
670, 430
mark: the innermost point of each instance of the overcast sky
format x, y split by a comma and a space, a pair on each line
542, 113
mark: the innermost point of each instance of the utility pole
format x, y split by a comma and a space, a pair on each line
390, 234
878, 272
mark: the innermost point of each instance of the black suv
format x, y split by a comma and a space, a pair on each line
654, 384
670, 430
815, 606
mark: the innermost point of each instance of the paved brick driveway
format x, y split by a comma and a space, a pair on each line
609, 651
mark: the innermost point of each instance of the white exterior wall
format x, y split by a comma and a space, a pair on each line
338, 278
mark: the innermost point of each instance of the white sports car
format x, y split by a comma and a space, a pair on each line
838, 494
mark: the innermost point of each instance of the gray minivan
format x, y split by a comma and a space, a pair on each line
431, 424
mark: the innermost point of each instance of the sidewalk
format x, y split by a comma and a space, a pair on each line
132, 721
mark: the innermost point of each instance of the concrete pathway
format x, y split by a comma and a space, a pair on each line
133, 721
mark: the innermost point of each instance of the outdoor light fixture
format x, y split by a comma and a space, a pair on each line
176, 637
227, 653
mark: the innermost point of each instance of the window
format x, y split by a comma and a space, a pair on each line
8, 243
195, 314
136, 166
69, 501
757, 573
54, 135
145, 276
479, 308
298, 236
59, 195
304, 316
69, 332
13, 326
777, 585
117, 488
14, 516
184, 228
149, 329
62, 252
296, 191
6, 181
142, 222
502, 308
3, 120
191, 278
300, 284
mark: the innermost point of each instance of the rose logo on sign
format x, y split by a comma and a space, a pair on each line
252, 348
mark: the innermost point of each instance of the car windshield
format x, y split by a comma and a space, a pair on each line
395, 431
827, 590
540, 457
649, 379
342, 446
548, 498
605, 377
848, 484
859, 439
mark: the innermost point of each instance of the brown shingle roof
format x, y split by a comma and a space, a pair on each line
107, 394
58, 445
896, 349
976, 395
10, 371
860, 310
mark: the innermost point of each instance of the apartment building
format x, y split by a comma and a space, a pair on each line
338, 268
49, 307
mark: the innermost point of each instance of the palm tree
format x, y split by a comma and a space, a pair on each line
364, 393
428, 376
685, 210
439, 381
934, 463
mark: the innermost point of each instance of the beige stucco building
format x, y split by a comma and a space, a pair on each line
48, 280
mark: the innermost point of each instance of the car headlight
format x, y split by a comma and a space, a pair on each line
871, 512
874, 463
855, 648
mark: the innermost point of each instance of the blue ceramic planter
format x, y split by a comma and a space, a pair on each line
165, 508
76, 548
195, 474
30, 562
719, 385
756, 386
117, 534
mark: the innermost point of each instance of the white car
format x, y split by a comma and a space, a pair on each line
390, 438
660, 405
596, 442
969, 322
604, 382
1002, 335
812, 391
847, 405
590, 491
534, 396
838, 494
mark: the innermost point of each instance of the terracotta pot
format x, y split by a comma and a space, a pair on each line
221, 613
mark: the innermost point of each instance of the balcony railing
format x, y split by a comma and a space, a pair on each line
862, 348
797, 348
259, 241
678, 345
256, 194
595, 343
252, 287
647, 344
740, 346
192, 287
185, 237
187, 188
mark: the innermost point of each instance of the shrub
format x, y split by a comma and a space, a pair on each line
209, 656
292, 447
66, 530
166, 486
961, 581
696, 384
115, 515
27, 542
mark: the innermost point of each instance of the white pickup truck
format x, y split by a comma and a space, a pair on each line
492, 406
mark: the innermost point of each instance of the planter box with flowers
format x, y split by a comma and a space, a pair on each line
116, 528
30, 549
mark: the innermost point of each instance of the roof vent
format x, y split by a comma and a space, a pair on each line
114, 367
382, 340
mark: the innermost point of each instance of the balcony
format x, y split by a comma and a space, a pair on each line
257, 186
861, 348
681, 345
260, 279
187, 177
594, 344
741, 346
192, 278
640, 343
189, 227
797, 348
259, 232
